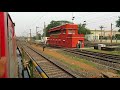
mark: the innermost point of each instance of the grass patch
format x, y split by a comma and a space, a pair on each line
77, 58
108, 52
118, 72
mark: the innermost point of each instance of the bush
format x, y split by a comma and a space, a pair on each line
117, 36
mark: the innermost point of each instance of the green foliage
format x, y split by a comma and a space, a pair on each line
117, 36
83, 30
119, 30
39, 36
118, 23
34, 37
105, 38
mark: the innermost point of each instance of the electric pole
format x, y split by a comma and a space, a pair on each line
30, 34
36, 32
111, 33
72, 17
95, 34
44, 30
101, 27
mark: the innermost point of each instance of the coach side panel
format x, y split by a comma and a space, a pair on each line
12, 49
3, 46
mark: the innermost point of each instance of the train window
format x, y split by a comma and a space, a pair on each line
55, 32
71, 31
64, 32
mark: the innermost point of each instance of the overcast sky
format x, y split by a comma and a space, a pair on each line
25, 21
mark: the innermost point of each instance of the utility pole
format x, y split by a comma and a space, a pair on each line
84, 24
72, 17
95, 34
44, 30
111, 33
36, 32
101, 27
30, 34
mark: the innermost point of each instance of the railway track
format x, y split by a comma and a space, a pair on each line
50, 68
101, 56
110, 56
111, 61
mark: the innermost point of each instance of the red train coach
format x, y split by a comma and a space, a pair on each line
8, 58
65, 36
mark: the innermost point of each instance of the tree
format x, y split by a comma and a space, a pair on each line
119, 30
117, 36
54, 24
83, 30
34, 37
118, 23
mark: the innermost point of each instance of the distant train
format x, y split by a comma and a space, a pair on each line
65, 36
8, 58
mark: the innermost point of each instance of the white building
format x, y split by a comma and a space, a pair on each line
92, 37
105, 32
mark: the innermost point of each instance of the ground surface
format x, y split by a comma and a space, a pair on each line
90, 69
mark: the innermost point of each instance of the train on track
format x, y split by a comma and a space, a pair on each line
8, 57
65, 36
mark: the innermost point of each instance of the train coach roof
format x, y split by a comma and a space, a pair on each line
61, 26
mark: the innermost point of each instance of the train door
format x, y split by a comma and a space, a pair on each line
10, 46
10, 50
79, 44
63, 43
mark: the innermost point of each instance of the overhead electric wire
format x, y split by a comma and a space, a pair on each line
100, 15
86, 15
102, 19
38, 20
95, 19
